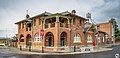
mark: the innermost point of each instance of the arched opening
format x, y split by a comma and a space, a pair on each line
89, 39
50, 21
37, 38
28, 40
49, 41
63, 22
63, 38
21, 38
77, 38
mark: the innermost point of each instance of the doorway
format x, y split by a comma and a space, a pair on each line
49, 41
63, 37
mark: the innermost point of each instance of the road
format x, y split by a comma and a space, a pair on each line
106, 54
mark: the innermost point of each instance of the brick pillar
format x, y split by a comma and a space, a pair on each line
25, 41
56, 38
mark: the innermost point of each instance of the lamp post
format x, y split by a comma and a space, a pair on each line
70, 33
113, 32
106, 36
42, 34
96, 39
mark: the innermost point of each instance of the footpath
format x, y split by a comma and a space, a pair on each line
14, 50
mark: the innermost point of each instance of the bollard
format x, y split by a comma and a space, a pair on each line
74, 48
29, 48
42, 49
20, 48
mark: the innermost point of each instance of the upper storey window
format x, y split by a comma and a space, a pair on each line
80, 22
74, 21
34, 22
22, 25
19, 26
39, 21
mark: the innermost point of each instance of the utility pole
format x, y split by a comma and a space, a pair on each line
42, 36
113, 32
6, 33
70, 34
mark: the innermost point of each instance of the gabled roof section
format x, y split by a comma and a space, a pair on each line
68, 13
21, 21
86, 28
101, 31
65, 13
43, 14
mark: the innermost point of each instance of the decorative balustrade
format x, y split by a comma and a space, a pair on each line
51, 25
46, 25
61, 24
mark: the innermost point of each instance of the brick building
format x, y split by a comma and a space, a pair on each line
58, 31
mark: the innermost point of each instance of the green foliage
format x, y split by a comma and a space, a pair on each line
118, 38
117, 31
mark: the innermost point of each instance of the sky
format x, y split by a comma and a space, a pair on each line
12, 11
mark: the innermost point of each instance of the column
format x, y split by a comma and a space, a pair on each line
56, 38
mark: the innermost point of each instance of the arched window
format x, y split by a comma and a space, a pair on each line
21, 38
77, 38
89, 38
37, 38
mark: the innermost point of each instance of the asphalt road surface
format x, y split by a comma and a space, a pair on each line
106, 54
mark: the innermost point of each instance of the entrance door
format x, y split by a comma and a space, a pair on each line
62, 41
50, 41
63, 37
28, 40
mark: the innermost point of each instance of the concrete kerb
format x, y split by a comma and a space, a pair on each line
16, 51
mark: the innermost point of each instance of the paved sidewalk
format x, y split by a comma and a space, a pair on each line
17, 51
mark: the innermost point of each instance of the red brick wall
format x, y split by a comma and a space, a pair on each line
106, 27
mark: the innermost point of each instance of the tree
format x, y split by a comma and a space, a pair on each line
116, 29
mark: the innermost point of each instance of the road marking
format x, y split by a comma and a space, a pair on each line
117, 55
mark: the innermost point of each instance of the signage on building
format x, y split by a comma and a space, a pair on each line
93, 43
41, 32
99, 35
75, 29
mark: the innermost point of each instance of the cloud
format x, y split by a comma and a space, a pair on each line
108, 9
12, 11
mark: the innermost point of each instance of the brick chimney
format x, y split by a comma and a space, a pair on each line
73, 11
27, 16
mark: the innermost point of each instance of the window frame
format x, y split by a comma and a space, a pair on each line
77, 38
89, 39
22, 25
34, 21
37, 38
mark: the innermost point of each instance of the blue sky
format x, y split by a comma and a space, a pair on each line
12, 11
